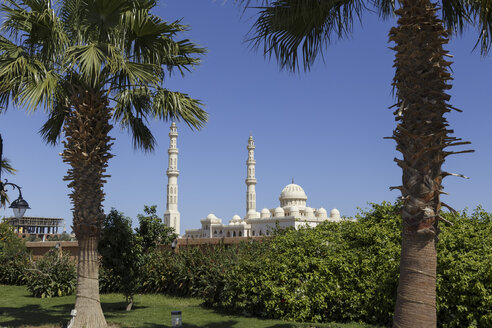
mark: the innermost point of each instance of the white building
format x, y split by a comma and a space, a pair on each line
292, 212
172, 216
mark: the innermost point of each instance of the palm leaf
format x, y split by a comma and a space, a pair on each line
6, 166
169, 105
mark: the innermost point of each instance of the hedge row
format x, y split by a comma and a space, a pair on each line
344, 271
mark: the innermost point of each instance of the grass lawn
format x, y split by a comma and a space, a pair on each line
18, 309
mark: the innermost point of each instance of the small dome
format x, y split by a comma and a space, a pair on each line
308, 210
265, 213
293, 191
236, 218
321, 213
211, 216
294, 210
334, 213
279, 212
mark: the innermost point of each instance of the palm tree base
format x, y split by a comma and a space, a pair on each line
416, 301
87, 302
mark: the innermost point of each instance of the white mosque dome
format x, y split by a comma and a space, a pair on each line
213, 219
321, 213
265, 213
294, 211
293, 191
309, 212
335, 214
279, 212
236, 218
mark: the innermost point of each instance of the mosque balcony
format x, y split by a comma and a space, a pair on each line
250, 181
251, 162
172, 172
173, 151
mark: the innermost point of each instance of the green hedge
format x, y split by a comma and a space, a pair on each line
464, 271
14, 257
344, 271
349, 271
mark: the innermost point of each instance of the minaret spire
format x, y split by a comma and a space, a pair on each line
172, 216
251, 180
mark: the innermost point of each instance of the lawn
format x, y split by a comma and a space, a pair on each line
18, 309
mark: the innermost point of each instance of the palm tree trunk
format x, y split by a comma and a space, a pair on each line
420, 80
87, 151
87, 303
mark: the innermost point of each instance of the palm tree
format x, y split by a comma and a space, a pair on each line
296, 31
5, 167
89, 63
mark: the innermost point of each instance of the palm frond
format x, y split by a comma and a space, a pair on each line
36, 25
296, 31
132, 108
480, 13
6, 166
141, 135
38, 92
170, 105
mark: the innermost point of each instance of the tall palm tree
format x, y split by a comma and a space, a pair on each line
89, 63
296, 31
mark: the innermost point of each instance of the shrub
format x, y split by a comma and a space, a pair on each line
121, 254
464, 271
193, 271
343, 271
152, 231
14, 257
348, 271
51, 276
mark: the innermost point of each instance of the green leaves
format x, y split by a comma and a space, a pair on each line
176, 105
54, 275
107, 47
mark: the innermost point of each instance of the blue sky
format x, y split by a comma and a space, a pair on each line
323, 128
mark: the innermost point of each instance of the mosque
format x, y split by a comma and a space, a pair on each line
291, 212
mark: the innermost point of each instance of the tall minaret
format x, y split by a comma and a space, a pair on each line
171, 216
251, 180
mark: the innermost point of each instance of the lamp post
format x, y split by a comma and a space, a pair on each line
19, 206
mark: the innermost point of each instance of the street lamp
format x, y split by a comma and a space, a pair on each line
19, 206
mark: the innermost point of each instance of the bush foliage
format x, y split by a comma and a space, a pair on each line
345, 271
336, 272
14, 257
51, 276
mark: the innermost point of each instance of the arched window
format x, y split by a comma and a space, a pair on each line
240, 234
228, 233
220, 232
253, 233
215, 232
261, 233
234, 234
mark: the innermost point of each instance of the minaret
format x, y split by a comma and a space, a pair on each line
171, 216
251, 180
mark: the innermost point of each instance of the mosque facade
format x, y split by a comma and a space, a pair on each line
291, 212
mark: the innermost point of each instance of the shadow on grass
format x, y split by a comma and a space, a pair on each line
216, 324
35, 315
